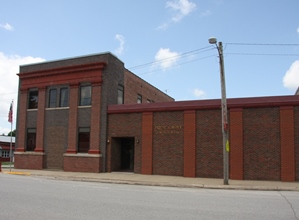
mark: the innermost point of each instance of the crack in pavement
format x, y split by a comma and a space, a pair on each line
294, 212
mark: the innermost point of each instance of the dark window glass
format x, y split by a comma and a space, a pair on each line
120, 95
139, 98
64, 97
52, 98
83, 140
33, 99
85, 95
31, 139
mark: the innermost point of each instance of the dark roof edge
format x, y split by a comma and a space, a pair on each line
252, 102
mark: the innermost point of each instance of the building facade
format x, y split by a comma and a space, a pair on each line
62, 110
90, 114
185, 138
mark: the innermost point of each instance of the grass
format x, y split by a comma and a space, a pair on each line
6, 163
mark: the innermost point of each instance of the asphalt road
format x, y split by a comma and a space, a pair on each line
27, 197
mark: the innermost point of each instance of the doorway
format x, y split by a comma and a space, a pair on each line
122, 154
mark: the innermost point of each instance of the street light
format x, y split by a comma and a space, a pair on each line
213, 40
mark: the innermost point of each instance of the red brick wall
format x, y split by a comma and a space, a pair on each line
189, 143
147, 143
168, 143
296, 127
35, 161
236, 144
261, 143
287, 143
135, 85
77, 163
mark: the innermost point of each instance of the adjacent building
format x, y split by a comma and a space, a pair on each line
62, 110
90, 114
7, 146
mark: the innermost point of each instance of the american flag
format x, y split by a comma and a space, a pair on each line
10, 112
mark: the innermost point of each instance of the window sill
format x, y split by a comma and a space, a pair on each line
30, 153
57, 108
82, 155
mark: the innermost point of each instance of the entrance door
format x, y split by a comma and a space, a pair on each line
122, 154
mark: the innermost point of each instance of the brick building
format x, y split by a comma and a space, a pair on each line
185, 138
5, 142
82, 114
62, 110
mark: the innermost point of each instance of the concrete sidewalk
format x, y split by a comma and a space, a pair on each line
156, 180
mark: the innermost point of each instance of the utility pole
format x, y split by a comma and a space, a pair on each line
225, 143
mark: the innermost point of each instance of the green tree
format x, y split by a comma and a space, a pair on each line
12, 133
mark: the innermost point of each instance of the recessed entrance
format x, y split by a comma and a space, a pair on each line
122, 154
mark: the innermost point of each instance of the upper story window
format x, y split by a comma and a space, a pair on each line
52, 98
85, 95
64, 97
120, 95
58, 97
33, 99
139, 98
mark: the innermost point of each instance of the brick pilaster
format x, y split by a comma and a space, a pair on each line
147, 143
236, 144
95, 119
287, 143
21, 137
189, 143
73, 119
40, 120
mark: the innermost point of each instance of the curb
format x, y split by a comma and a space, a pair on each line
17, 173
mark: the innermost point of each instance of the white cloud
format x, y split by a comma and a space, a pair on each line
165, 58
291, 78
298, 30
121, 40
9, 85
7, 27
181, 8
199, 93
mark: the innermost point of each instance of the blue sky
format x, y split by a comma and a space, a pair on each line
163, 42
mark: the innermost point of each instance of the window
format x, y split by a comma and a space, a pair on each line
120, 95
83, 140
64, 97
5, 154
139, 98
33, 99
52, 98
31, 139
85, 95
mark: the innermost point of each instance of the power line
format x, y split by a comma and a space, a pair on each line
189, 53
261, 44
262, 54
202, 58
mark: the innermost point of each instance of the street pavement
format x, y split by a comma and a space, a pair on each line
155, 180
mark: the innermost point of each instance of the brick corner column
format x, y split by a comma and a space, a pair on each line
40, 120
147, 143
73, 119
95, 119
21, 129
190, 143
287, 143
236, 144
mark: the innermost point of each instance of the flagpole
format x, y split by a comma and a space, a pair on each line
10, 119
10, 150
